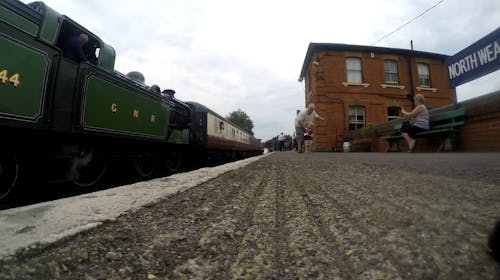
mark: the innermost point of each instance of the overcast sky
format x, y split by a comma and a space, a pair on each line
230, 54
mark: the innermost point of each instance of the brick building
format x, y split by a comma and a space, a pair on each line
359, 86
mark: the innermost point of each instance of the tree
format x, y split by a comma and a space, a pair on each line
241, 119
272, 144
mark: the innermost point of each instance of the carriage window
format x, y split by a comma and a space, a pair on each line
221, 127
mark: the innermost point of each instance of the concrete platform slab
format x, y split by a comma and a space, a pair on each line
53, 220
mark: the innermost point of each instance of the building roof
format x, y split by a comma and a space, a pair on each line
317, 47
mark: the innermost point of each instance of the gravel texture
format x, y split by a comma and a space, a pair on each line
298, 216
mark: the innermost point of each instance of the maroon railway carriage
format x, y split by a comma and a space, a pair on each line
219, 138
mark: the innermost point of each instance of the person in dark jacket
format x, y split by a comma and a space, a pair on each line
73, 47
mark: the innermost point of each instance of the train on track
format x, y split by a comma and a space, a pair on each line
61, 119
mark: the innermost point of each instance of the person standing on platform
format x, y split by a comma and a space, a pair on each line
307, 140
281, 140
303, 122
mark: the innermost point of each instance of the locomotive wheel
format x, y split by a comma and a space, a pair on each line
145, 166
87, 170
174, 161
9, 172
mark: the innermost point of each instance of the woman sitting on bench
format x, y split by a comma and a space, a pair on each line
420, 123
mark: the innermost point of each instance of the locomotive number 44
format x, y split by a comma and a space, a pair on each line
14, 79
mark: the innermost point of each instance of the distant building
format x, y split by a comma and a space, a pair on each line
355, 86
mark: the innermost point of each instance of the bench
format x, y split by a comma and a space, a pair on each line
444, 125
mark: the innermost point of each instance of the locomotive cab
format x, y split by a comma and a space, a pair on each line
90, 49
97, 52
56, 28
180, 117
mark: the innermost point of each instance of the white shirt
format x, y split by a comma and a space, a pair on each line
281, 137
304, 116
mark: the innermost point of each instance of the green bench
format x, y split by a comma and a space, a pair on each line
444, 126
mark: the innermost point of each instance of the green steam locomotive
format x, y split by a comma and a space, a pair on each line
64, 119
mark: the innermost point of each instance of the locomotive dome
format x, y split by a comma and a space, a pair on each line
136, 76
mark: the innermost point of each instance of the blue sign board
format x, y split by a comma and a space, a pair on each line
479, 59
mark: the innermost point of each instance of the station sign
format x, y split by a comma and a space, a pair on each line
477, 60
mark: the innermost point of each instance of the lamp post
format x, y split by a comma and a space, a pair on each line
411, 94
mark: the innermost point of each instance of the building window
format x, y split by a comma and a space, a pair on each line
393, 113
391, 72
356, 117
354, 70
423, 75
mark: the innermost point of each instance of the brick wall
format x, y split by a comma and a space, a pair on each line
324, 87
480, 133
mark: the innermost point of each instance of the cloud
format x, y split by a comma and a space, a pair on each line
248, 54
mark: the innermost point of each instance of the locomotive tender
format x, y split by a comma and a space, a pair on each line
67, 120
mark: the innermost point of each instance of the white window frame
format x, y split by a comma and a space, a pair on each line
424, 78
391, 75
354, 70
354, 120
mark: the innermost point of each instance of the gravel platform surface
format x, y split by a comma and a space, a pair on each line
298, 216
